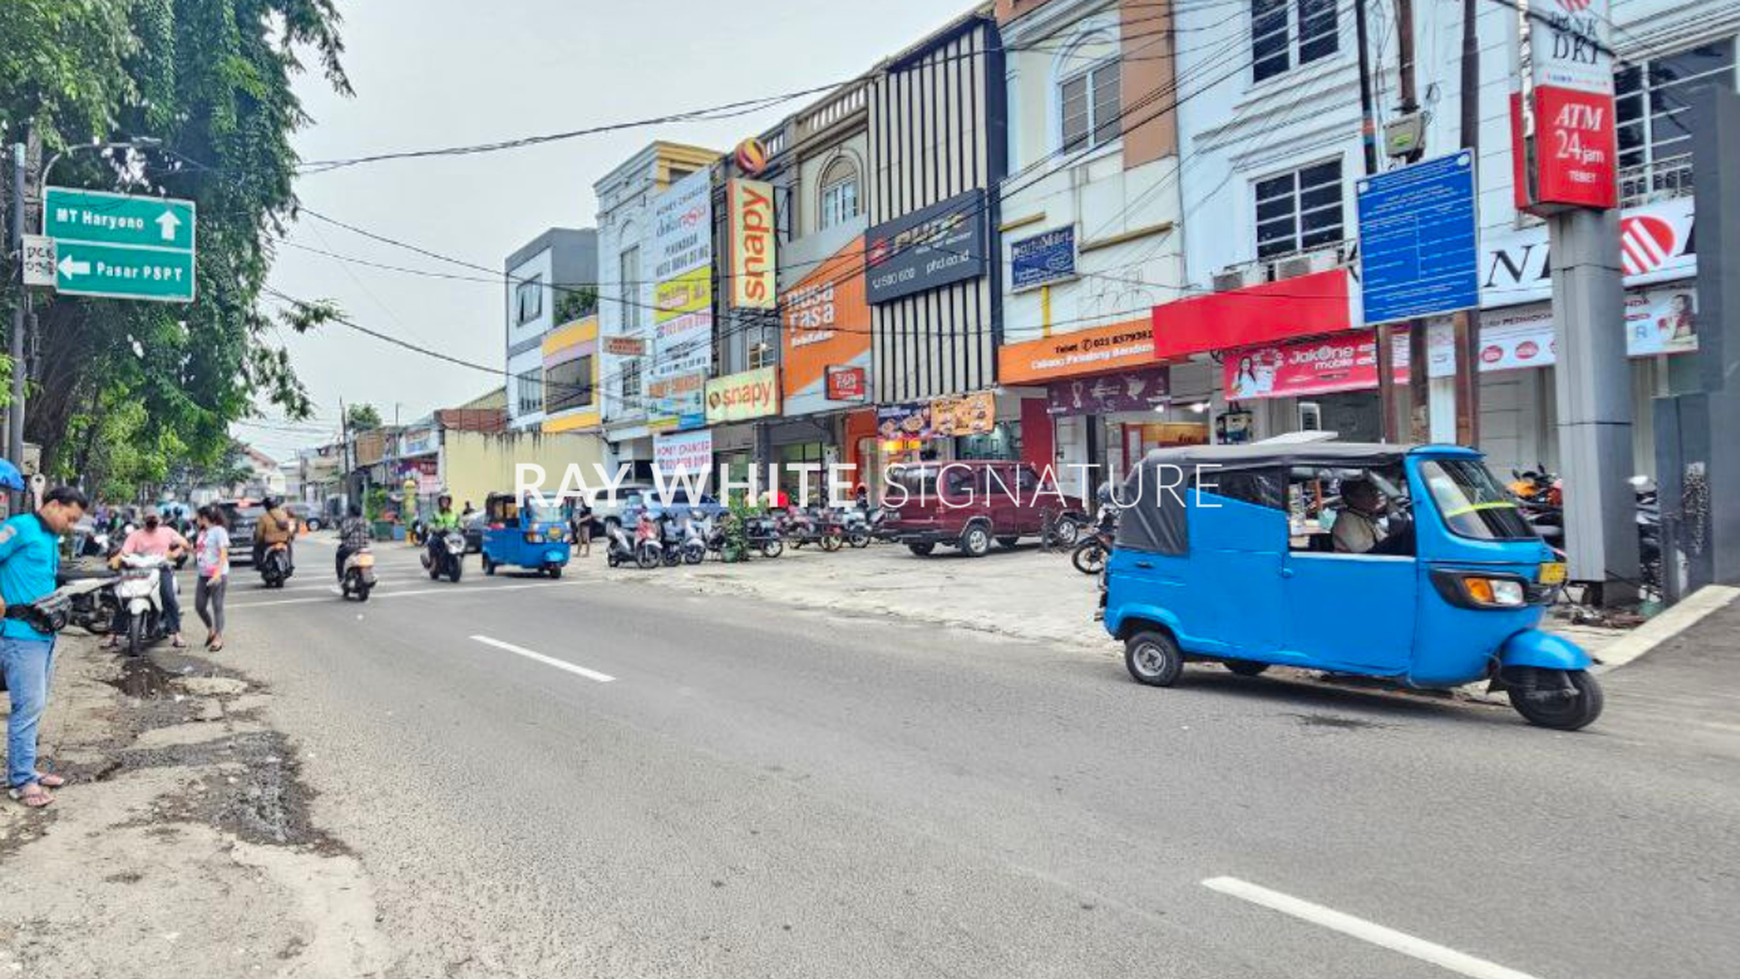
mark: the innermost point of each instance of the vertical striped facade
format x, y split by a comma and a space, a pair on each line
936, 130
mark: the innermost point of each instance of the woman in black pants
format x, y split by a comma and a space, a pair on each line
213, 562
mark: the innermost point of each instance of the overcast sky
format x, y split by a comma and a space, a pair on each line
431, 73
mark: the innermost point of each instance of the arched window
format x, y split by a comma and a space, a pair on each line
839, 198
1089, 100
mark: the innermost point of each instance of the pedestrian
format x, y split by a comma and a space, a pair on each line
580, 523
159, 540
29, 560
212, 561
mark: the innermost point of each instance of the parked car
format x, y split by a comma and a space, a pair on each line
473, 527
242, 519
611, 514
967, 505
307, 515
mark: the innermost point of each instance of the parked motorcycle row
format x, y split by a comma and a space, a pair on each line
668, 539
1541, 496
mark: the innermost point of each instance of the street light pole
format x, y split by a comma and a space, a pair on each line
20, 313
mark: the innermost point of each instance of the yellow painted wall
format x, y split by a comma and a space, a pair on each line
557, 342
570, 334
476, 464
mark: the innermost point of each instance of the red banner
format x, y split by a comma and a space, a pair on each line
1301, 306
1346, 362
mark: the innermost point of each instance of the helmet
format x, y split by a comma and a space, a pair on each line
444, 497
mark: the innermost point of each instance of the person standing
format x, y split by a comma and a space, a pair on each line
580, 526
212, 560
29, 560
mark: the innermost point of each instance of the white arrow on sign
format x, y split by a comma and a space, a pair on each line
168, 222
70, 268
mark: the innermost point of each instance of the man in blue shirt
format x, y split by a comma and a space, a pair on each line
29, 559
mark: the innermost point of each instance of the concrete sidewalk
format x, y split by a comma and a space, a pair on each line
1021, 594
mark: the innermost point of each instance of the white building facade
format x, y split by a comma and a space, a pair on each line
539, 278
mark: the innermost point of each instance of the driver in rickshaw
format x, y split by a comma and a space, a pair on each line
1357, 527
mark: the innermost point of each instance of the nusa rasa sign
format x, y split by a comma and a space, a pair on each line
1655, 244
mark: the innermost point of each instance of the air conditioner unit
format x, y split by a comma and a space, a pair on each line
1305, 263
1310, 416
1227, 280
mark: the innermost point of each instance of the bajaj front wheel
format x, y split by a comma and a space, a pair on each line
1153, 658
1563, 700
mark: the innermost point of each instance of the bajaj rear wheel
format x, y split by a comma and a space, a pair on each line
1153, 658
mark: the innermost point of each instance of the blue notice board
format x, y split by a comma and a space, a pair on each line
1043, 258
1419, 253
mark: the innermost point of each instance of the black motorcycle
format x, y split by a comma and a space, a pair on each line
1091, 551
445, 557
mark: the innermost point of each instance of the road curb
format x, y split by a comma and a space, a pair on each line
1669, 624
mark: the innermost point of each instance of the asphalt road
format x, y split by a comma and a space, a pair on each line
620, 781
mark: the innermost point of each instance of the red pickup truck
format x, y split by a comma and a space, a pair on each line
967, 505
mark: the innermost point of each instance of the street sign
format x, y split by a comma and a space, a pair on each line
1418, 240
1043, 258
121, 246
39, 260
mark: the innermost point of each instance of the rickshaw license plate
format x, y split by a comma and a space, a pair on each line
1553, 573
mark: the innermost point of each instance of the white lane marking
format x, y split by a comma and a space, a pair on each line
450, 589
1347, 924
546, 660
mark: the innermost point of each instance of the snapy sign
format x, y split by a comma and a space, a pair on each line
740, 397
754, 283
121, 246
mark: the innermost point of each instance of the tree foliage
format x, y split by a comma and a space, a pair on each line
362, 418
576, 302
127, 391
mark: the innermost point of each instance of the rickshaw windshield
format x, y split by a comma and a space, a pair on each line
1472, 503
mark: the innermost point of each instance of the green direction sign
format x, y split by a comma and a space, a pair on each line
121, 246
84, 269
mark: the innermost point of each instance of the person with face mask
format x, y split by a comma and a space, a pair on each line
159, 539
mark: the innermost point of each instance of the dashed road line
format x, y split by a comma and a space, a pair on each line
538, 657
1376, 934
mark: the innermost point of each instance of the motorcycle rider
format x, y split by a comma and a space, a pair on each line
445, 519
161, 540
353, 536
276, 526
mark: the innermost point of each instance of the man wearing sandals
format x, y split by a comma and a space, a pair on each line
29, 559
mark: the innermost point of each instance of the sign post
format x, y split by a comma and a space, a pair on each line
120, 246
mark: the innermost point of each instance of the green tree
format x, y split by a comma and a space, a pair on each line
211, 80
576, 301
362, 418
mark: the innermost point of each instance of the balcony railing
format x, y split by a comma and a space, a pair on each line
1656, 180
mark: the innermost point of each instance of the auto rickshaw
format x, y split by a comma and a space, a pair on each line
1230, 553
524, 534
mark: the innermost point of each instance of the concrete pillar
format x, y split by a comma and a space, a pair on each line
1594, 401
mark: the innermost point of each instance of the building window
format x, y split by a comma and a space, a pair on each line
568, 385
529, 392
762, 353
528, 300
630, 375
628, 286
1089, 104
1655, 135
839, 193
1289, 32
1299, 210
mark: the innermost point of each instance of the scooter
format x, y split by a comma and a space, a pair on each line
358, 577
139, 595
619, 547
670, 540
696, 535
1089, 556
763, 534
91, 598
275, 566
649, 549
860, 525
449, 557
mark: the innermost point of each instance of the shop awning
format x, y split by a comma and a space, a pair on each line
1302, 306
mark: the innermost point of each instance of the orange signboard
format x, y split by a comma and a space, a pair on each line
1092, 351
826, 324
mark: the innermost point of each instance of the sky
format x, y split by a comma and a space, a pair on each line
433, 73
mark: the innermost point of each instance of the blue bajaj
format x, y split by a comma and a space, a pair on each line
524, 534
1410, 564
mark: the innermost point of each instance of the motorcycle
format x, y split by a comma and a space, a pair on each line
138, 592
861, 525
812, 527
449, 559
697, 535
1089, 556
763, 534
649, 548
618, 545
358, 577
275, 566
91, 598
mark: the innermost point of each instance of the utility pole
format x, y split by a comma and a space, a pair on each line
1466, 323
1386, 351
1419, 383
21, 312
